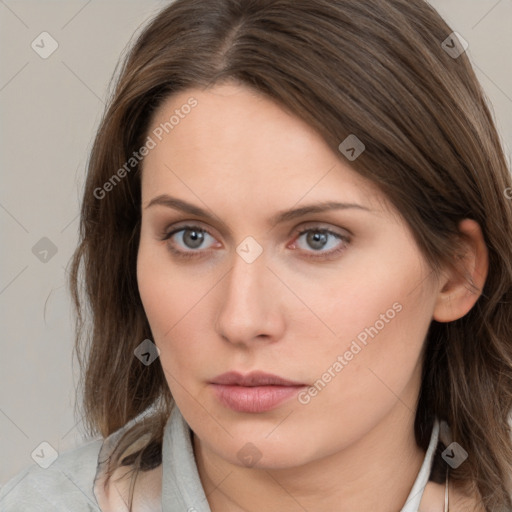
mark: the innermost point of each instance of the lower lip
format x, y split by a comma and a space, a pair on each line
254, 399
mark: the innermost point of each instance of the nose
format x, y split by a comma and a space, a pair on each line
251, 303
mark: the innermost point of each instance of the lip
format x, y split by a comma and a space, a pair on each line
255, 378
255, 392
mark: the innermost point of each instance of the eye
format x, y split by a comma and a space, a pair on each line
194, 237
318, 238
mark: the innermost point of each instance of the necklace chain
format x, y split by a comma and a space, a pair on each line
446, 491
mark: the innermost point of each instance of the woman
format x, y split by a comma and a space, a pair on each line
296, 243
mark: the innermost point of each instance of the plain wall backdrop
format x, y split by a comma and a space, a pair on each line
50, 107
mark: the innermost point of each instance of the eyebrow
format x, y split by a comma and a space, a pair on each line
282, 216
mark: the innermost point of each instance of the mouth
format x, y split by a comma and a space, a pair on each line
253, 393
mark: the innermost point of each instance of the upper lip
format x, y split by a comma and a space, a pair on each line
256, 378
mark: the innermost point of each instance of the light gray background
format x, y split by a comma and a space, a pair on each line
49, 110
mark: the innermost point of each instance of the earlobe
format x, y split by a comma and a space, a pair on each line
458, 296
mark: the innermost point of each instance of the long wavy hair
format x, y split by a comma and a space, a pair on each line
379, 69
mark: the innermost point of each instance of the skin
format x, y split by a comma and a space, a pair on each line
243, 158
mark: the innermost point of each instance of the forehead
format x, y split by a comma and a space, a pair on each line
235, 120
236, 141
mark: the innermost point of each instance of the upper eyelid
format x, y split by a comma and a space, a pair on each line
309, 225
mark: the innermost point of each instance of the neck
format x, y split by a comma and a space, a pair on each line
375, 473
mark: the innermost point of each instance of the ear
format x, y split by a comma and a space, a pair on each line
456, 297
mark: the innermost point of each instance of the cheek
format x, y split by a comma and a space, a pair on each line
375, 376
165, 291
380, 317
380, 356
152, 286
173, 306
372, 301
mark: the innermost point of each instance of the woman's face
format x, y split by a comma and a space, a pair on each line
343, 311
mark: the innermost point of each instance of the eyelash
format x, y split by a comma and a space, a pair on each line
197, 254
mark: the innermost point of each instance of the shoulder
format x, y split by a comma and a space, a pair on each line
67, 484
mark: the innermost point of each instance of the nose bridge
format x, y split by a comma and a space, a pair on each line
245, 304
247, 282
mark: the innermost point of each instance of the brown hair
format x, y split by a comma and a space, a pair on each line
373, 68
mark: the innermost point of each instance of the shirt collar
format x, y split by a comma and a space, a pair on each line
412, 504
181, 485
